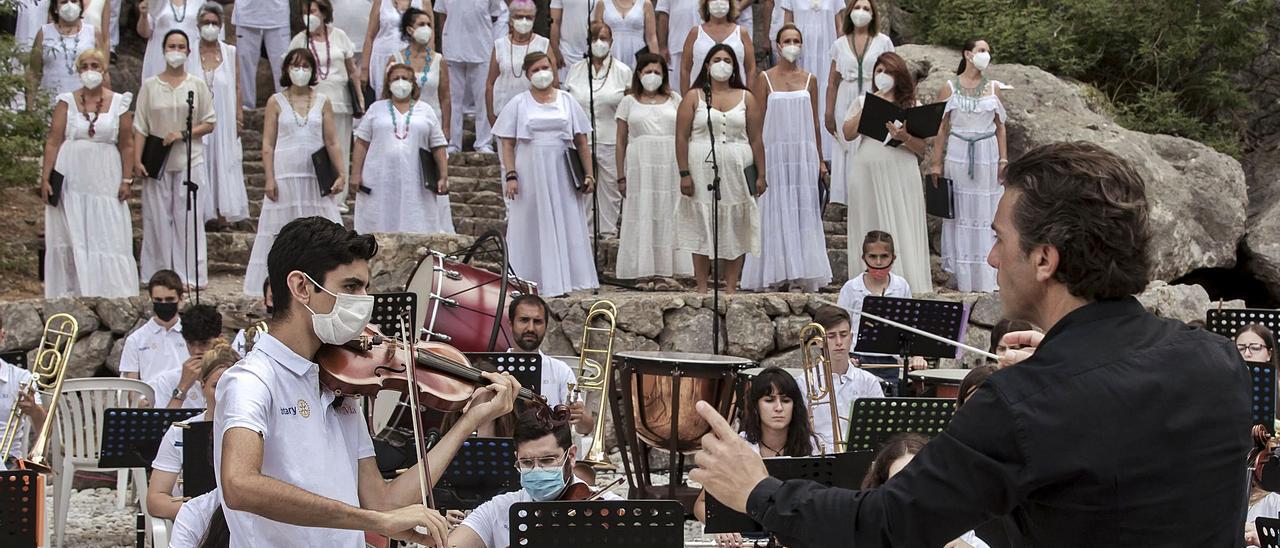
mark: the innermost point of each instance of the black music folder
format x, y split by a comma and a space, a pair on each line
922, 121
430, 171
154, 155
55, 186
326, 173
939, 196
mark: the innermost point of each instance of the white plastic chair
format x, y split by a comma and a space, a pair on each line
79, 418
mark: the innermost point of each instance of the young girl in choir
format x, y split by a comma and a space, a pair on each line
634, 27
735, 118
646, 160
225, 197
877, 279
975, 149
602, 86
886, 191
793, 247
895, 455
853, 57
507, 78
718, 27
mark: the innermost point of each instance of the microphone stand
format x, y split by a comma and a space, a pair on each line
714, 187
595, 162
193, 205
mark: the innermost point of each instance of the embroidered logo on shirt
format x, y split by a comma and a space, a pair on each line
288, 410
304, 409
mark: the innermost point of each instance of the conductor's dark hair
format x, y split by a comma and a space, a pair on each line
530, 426
831, 316
407, 20
643, 60
294, 56
1090, 205
200, 323
526, 299
776, 381
704, 74
898, 446
968, 46
316, 246
165, 40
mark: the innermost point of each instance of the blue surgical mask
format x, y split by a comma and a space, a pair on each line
543, 484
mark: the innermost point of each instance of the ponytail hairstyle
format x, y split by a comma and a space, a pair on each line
968, 46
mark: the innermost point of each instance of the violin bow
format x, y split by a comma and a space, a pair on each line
424, 468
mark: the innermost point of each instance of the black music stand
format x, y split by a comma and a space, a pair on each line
631, 523
1263, 410
387, 309
525, 367
16, 357
1229, 321
21, 508
942, 318
839, 470
130, 437
197, 459
1268, 531
875, 420
482, 469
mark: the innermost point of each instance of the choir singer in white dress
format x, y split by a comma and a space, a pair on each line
89, 234
547, 234
600, 95
428, 65
56, 47
386, 174
506, 79
853, 56
225, 197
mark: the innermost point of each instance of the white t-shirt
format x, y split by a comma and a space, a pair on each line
192, 521
261, 14
12, 378
573, 27
469, 28
491, 521
152, 350
166, 382
855, 291
849, 387
308, 442
680, 21
169, 455
1268, 507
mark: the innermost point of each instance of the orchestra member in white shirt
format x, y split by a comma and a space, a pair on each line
201, 328
850, 382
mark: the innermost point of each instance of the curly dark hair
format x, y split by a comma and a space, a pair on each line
532, 424
316, 246
1091, 205
200, 323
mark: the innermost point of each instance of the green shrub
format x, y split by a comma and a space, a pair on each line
22, 132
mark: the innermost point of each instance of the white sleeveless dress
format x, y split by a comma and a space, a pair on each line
793, 246
59, 53
89, 235
386, 42
647, 245
816, 21
165, 17
223, 154
739, 216
975, 169
628, 30
705, 42
855, 80
298, 193
512, 80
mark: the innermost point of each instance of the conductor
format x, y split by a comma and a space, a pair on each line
1121, 429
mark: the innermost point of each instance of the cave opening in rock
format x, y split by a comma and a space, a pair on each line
1233, 283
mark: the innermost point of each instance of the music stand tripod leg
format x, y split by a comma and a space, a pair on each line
673, 469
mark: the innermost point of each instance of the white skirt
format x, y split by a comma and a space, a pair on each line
967, 239
223, 161
547, 237
739, 217
886, 193
647, 245
297, 197
89, 236
607, 194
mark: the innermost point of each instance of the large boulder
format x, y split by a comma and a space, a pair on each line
1182, 302
119, 315
89, 353
687, 329
1197, 194
80, 309
399, 254
750, 329
22, 325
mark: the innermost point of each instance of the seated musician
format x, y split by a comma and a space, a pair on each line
851, 383
775, 422
896, 453
162, 488
157, 346
12, 381
545, 454
201, 523
201, 327
880, 281
972, 380
294, 459
1002, 328
239, 343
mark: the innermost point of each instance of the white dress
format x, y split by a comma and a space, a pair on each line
223, 157
331, 59
973, 163
739, 215
793, 246
165, 17
816, 20
58, 55
681, 18
31, 16
647, 245
428, 79
855, 80
352, 18
397, 200
89, 236
386, 42
628, 30
886, 193
297, 190
608, 85
512, 80
547, 235
705, 42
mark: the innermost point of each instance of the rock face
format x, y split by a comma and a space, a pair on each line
1197, 195
399, 254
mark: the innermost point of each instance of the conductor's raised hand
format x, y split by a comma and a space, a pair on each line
1020, 344
498, 398
728, 468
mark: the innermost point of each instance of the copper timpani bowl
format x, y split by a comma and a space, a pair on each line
664, 386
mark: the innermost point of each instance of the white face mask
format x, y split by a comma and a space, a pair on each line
423, 35
401, 88
91, 79
651, 82
981, 60
721, 71
522, 25
209, 33
542, 79
884, 82
600, 49
718, 8
69, 12
175, 59
346, 321
313, 23
791, 53
300, 77
860, 18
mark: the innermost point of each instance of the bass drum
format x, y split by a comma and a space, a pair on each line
459, 304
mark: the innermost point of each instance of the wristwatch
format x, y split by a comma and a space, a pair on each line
684, 173
178, 395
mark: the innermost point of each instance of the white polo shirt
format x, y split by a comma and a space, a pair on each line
12, 378
169, 454
192, 521
853, 384
307, 441
152, 350
854, 292
165, 384
491, 521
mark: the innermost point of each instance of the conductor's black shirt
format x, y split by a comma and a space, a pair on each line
1122, 430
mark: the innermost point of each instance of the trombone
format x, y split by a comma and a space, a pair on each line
820, 385
594, 374
47, 374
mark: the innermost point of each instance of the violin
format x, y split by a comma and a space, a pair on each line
581, 491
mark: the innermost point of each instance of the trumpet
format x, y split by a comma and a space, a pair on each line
251, 334
820, 385
594, 374
47, 374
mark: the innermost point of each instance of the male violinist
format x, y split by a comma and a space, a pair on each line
294, 460
545, 455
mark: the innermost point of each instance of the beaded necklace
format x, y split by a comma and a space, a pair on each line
511, 54
209, 74
968, 99
321, 71
395, 127
97, 110
602, 78
300, 121
69, 55
174, 11
426, 65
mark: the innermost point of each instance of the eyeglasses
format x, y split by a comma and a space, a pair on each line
545, 463
1251, 347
